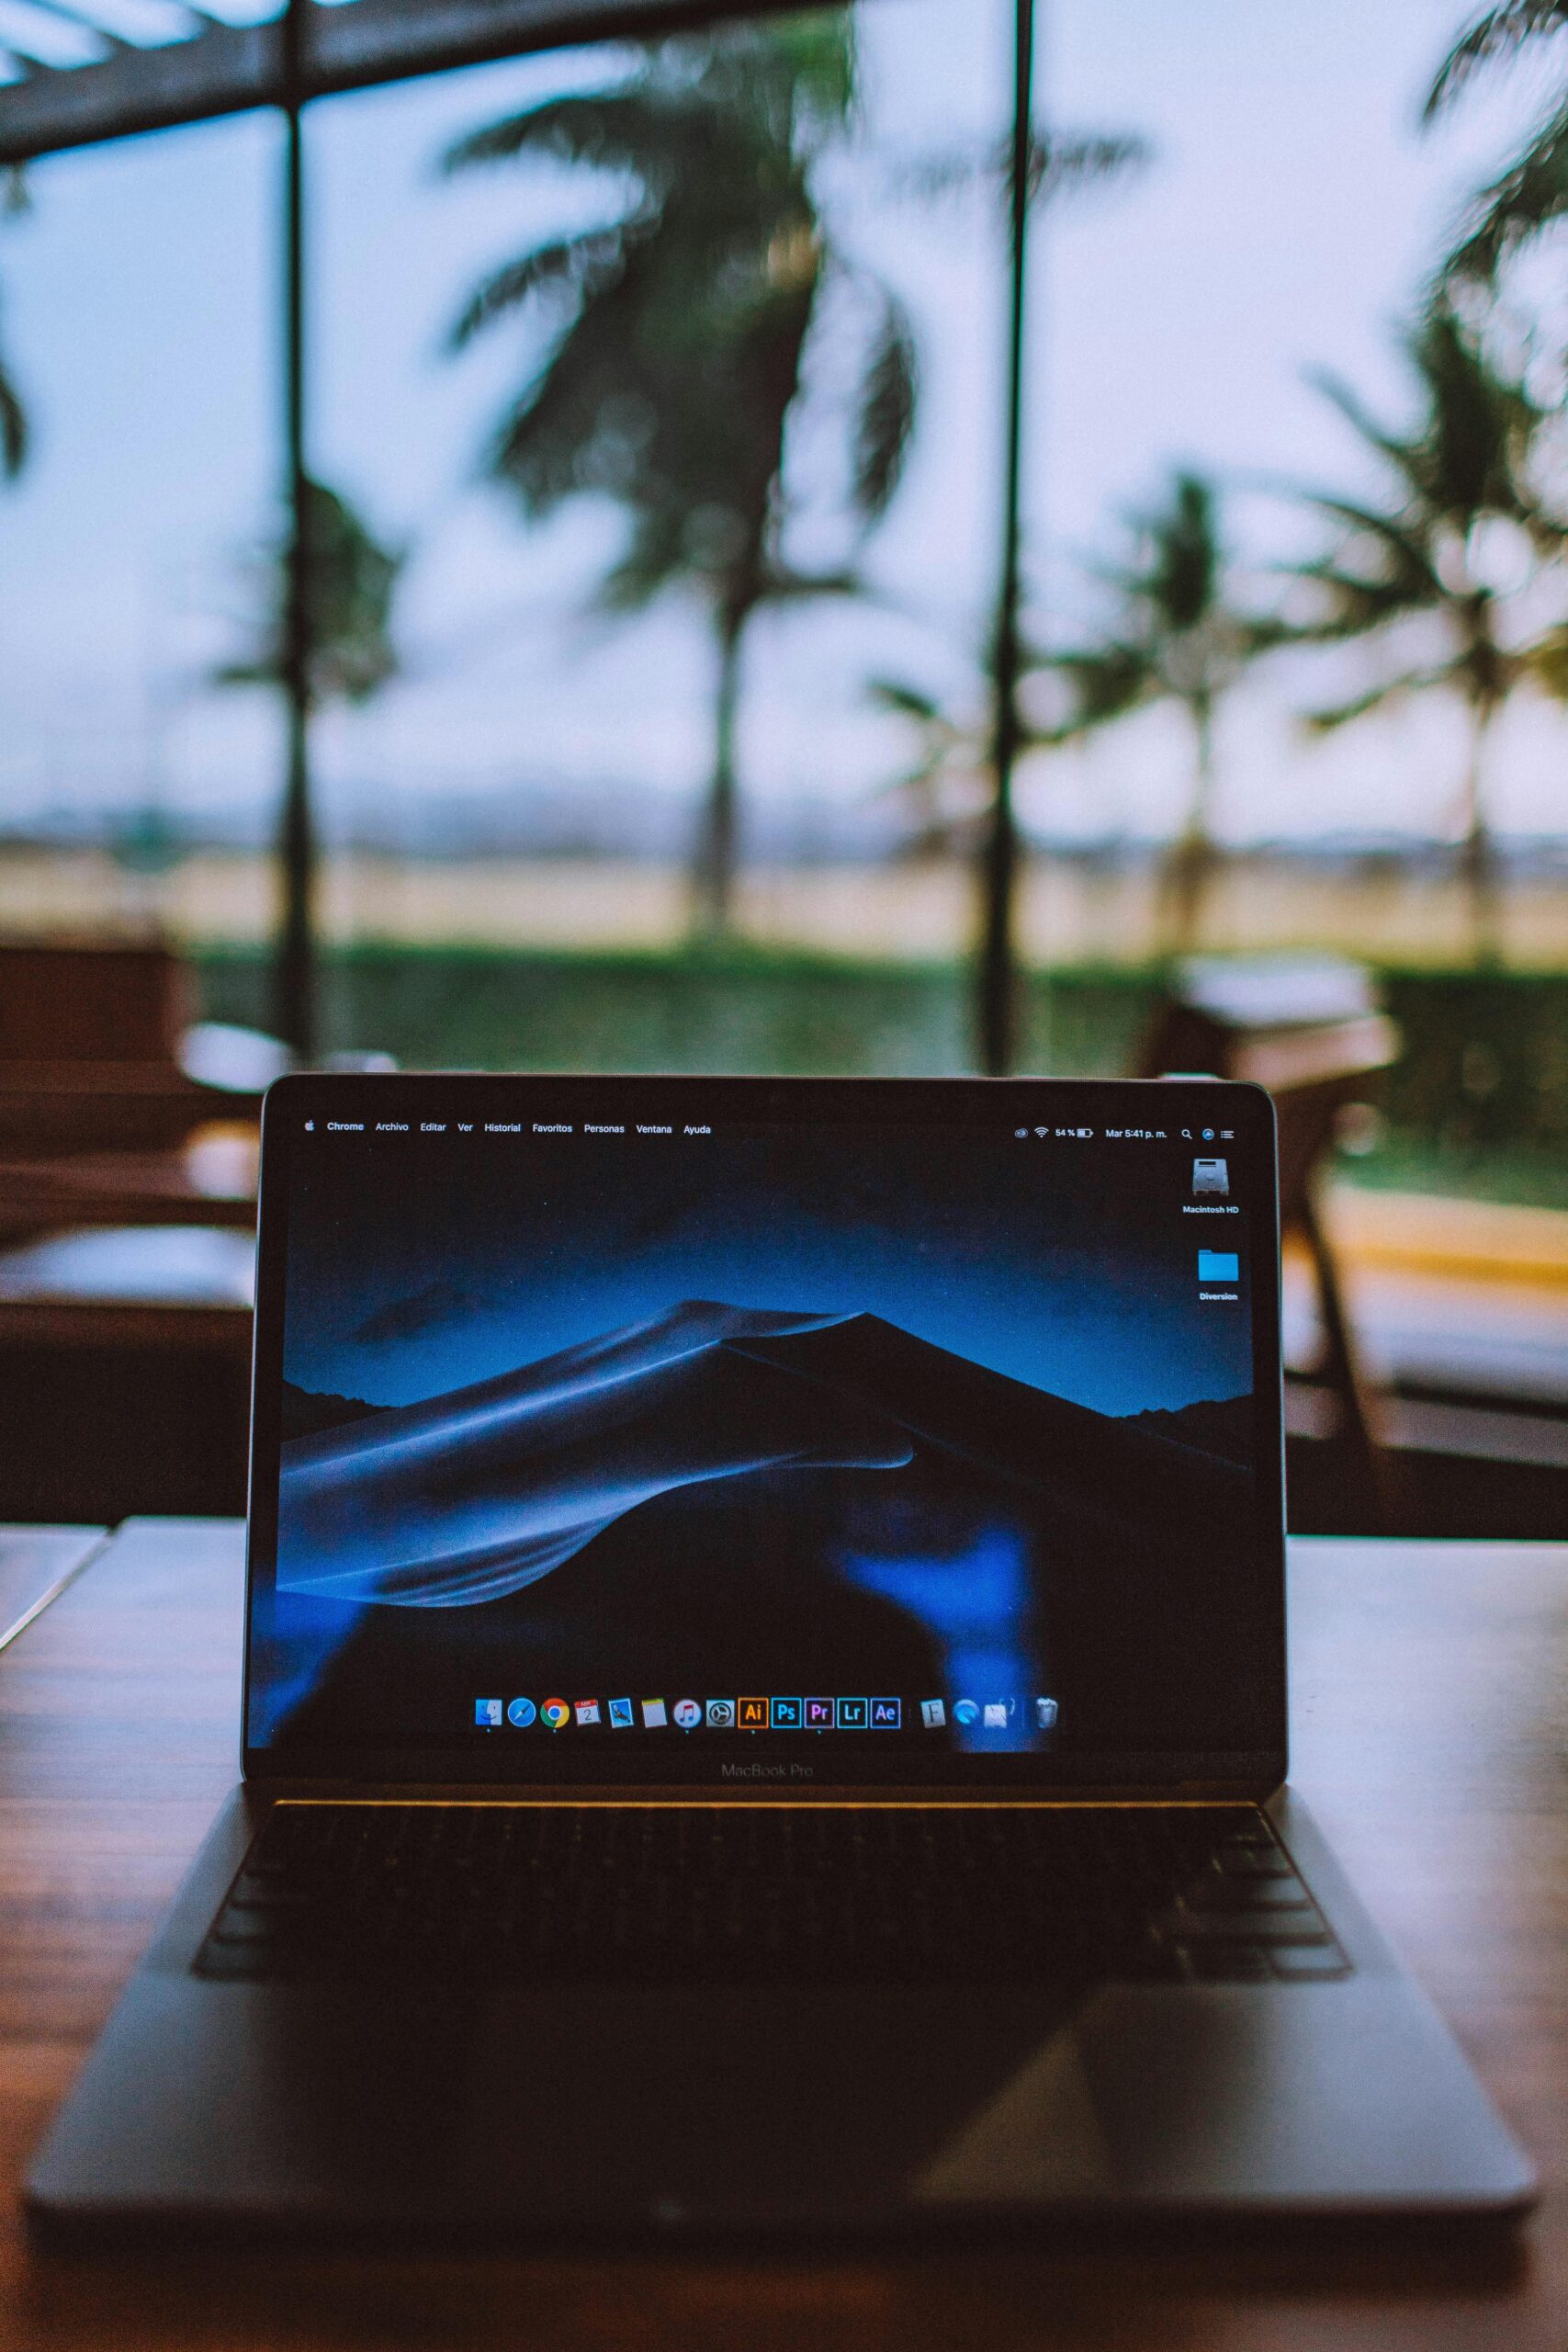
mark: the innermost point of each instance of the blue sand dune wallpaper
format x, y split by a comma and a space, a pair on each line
906, 1411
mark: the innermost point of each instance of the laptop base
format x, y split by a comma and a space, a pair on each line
625, 2114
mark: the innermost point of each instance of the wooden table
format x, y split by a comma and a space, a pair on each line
1431, 1720
35, 1566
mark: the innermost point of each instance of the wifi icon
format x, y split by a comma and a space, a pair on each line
1042, 1131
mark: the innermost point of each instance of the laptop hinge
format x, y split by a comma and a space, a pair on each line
342, 1791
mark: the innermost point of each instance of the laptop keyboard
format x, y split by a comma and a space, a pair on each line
701, 1894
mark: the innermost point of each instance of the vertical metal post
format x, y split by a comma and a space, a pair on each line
294, 975
997, 972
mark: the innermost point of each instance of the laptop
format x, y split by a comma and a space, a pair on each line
765, 1711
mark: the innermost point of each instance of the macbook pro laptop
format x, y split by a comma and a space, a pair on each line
765, 1702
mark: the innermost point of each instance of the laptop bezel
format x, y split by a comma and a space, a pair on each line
574, 1772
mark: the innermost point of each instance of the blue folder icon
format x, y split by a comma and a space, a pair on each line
1219, 1266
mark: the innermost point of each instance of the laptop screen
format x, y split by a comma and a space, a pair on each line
766, 1434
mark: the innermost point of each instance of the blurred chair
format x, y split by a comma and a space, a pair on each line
1311, 1032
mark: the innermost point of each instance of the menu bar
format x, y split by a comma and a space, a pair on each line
697, 1129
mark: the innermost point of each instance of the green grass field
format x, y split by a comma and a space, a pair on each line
1478, 1104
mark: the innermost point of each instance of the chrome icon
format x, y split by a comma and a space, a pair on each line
555, 1712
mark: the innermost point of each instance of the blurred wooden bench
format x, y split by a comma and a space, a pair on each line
1311, 1032
90, 1051
124, 1352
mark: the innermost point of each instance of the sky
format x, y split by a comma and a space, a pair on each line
1286, 215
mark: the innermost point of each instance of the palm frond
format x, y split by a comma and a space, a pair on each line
351, 581
781, 585
1068, 163
1398, 534
1061, 164
906, 701
621, 407
1378, 698
654, 558
633, 128
1184, 556
1478, 425
818, 57
1356, 605
1353, 408
583, 422
1106, 682
1498, 32
1267, 633
569, 271
886, 422
1525, 199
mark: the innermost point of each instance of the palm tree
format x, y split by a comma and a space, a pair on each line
1417, 573
1181, 631
680, 334
1533, 191
352, 579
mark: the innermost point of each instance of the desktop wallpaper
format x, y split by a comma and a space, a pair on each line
928, 1412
